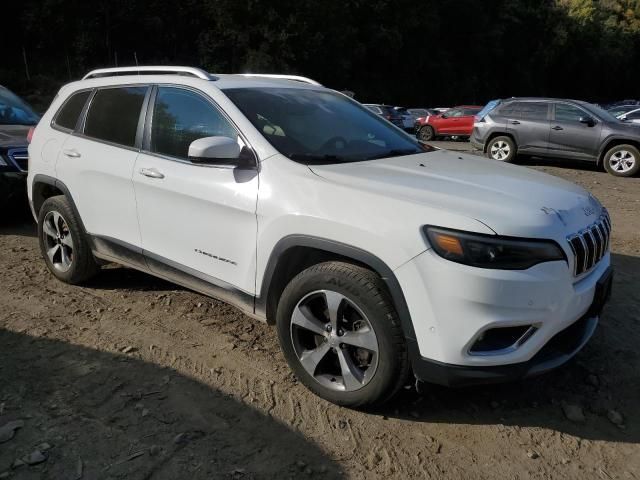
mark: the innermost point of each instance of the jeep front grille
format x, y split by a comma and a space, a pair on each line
19, 157
590, 245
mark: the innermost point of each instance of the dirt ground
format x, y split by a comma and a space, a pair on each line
132, 377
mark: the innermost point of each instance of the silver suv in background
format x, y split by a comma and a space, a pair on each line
557, 128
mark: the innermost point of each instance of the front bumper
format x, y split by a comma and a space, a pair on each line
556, 352
452, 306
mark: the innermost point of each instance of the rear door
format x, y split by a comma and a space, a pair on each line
96, 163
571, 138
528, 123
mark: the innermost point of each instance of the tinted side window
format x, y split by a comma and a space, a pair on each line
633, 115
510, 109
114, 113
67, 116
470, 111
533, 111
568, 113
453, 113
180, 117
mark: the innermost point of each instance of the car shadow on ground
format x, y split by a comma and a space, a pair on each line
94, 414
603, 377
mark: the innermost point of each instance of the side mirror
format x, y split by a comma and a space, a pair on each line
443, 115
210, 149
587, 120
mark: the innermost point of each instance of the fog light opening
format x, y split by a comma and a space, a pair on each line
498, 341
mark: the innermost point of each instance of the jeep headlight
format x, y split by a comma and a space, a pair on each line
492, 251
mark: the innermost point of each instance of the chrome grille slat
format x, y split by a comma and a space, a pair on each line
591, 244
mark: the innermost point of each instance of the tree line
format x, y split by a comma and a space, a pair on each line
405, 52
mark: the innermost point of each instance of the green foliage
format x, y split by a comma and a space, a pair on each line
395, 51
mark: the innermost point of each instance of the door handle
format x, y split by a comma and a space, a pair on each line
557, 127
71, 153
151, 173
515, 122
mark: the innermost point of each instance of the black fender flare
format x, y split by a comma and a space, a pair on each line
343, 250
54, 182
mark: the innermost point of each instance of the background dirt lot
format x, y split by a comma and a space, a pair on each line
131, 377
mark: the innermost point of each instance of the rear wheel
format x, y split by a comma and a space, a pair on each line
622, 161
63, 244
502, 149
426, 133
341, 335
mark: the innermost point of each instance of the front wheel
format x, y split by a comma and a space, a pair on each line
502, 149
426, 133
622, 161
341, 335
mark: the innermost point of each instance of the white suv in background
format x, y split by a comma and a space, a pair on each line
373, 254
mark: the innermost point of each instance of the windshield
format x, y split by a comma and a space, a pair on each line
601, 112
321, 126
14, 111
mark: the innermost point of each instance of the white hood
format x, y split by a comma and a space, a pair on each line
511, 200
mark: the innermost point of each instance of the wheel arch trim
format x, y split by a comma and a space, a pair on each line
54, 182
344, 250
613, 141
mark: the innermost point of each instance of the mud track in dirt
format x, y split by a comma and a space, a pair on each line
132, 377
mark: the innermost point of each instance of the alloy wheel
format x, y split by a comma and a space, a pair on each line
334, 341
500, 150
58, 241
622, 161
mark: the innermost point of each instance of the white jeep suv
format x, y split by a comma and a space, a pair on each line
375, 256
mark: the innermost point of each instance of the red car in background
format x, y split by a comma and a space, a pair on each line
457, 121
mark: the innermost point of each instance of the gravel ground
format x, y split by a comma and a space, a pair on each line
132, 377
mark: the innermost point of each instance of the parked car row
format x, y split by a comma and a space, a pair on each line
557, 128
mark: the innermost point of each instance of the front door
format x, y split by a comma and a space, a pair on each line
569, 137
196, 218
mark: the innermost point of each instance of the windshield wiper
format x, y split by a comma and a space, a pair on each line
320, 159
398, 152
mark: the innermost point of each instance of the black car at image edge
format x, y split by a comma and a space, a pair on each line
16, 118
558, 128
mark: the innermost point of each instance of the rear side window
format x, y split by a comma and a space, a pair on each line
68, 114
114, 113
510, 109
533, 111
181, 116
633, 115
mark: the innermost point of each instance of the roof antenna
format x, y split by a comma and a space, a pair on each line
135, 57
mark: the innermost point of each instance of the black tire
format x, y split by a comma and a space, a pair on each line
616, 165
367, 291
426, 133
502, 148
82, 264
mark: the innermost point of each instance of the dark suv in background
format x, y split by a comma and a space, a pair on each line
16, 118
557, 128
